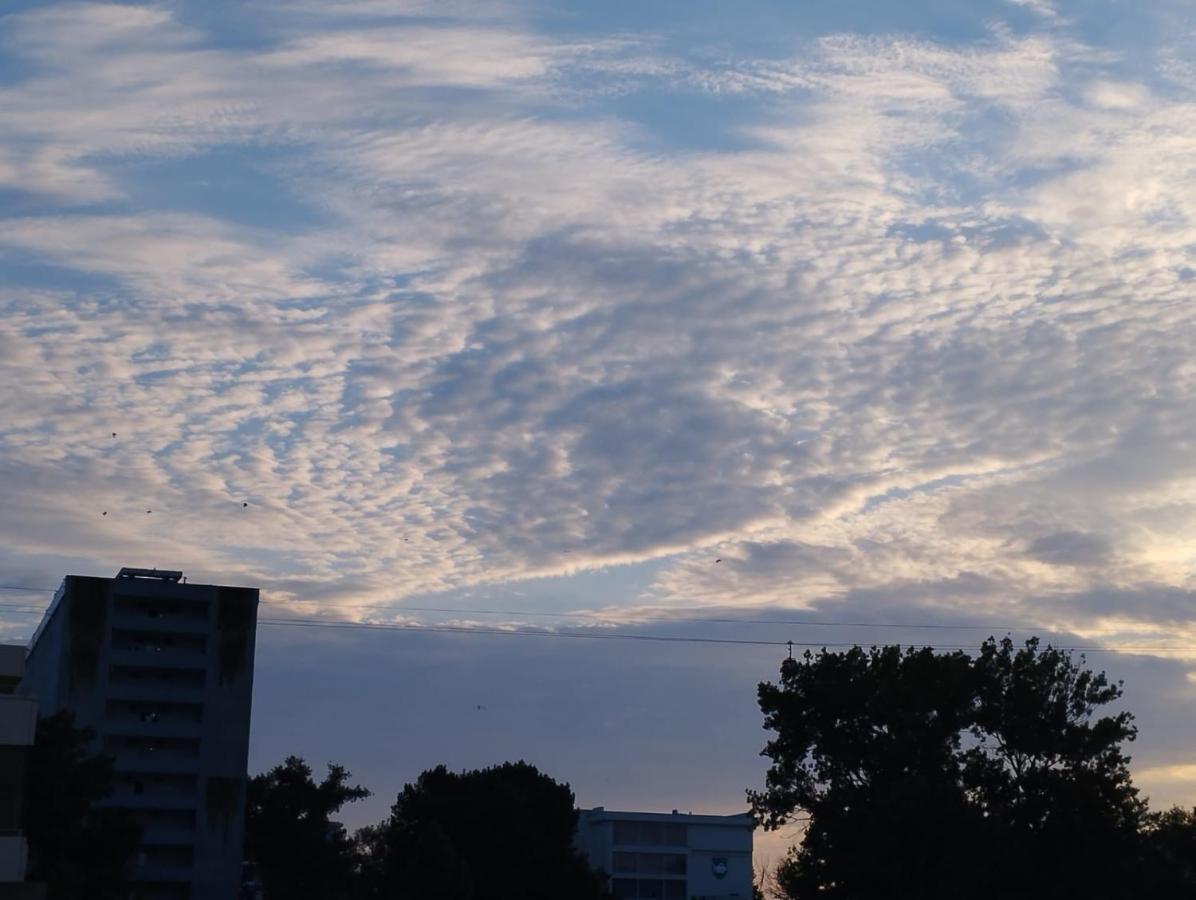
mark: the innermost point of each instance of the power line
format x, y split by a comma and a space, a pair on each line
599, 617
578, 614
489, 631
484, 630
679, 614
514, 632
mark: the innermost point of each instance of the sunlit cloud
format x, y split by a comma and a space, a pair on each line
459, 301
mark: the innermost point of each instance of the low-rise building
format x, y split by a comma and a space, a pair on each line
18, 724
670, 856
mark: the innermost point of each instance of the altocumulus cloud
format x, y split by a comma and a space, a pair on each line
459, 300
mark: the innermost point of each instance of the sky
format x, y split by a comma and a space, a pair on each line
618, 317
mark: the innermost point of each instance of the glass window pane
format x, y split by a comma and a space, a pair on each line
674, 864
651, 888
624, 888
674, 835
626, 833
674, 890
624, 862
650, 863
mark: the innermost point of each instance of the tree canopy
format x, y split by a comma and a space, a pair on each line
502, 833
76, 846
930, 775
300, 852
1170, 855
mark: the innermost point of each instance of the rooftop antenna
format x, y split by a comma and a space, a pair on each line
790, 649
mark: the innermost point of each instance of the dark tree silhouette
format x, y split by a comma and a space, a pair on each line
1170, 839
503, 833
78, 848
938, 775
300, 852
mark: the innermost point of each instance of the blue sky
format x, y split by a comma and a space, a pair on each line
547, 307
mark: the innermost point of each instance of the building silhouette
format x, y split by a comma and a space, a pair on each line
18, 721
162, 671
669, 856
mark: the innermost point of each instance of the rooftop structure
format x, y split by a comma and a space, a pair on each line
162, 671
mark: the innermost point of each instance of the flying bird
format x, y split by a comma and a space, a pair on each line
718, 560
148, 511
104, 513
244, 504
114, 434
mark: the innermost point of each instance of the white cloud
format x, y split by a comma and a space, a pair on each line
899, 340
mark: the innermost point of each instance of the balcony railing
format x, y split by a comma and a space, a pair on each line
165, 726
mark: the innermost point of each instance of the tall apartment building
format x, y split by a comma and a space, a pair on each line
162, 671
18, 721
670, 856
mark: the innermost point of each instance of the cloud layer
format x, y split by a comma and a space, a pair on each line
896, 321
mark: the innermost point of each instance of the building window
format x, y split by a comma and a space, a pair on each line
650, 834
648, 889
625, 863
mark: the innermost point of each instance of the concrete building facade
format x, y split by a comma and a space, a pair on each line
18, 724
670, 856
162, 671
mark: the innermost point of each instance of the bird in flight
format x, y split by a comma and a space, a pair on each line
104, 513
244, 504
114, 434
718, 560
148, 511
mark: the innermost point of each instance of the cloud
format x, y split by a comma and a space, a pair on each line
926, 330
1069, 548
1042, 7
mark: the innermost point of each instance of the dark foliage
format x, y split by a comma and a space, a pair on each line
300, 852
503, 833
938, 775
78, 848
1170, 839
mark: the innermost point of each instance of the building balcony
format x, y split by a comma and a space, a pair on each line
153, 763
164, 727
167, 836
163, 873
150, 800
18, 720
158, 659
151, 689
136, 621
12, 857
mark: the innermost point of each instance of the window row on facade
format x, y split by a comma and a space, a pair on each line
648, 889
650, 834
159, 609
648, 863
